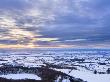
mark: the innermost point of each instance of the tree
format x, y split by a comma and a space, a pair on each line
108, 71
95, 71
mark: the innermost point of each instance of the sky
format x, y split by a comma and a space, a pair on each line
54, 23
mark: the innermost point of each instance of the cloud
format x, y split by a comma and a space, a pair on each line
13, 4
44, 23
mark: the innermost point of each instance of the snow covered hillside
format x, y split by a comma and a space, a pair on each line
90, 66
21, 76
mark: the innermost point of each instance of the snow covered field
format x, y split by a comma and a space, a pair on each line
86, 75
21, 76
77, 64
90, 77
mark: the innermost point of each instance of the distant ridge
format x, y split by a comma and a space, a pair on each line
57, 49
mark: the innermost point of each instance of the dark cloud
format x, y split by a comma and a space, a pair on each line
13, 4
78, 22
8, 42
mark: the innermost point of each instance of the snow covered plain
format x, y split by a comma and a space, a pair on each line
21, 76
90, 77
84, 62
86, 75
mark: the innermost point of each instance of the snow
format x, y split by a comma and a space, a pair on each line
65, 80
63, 70
90, 77
86, 75
62, 59
21, 76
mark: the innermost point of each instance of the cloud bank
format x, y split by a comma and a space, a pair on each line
54, 23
